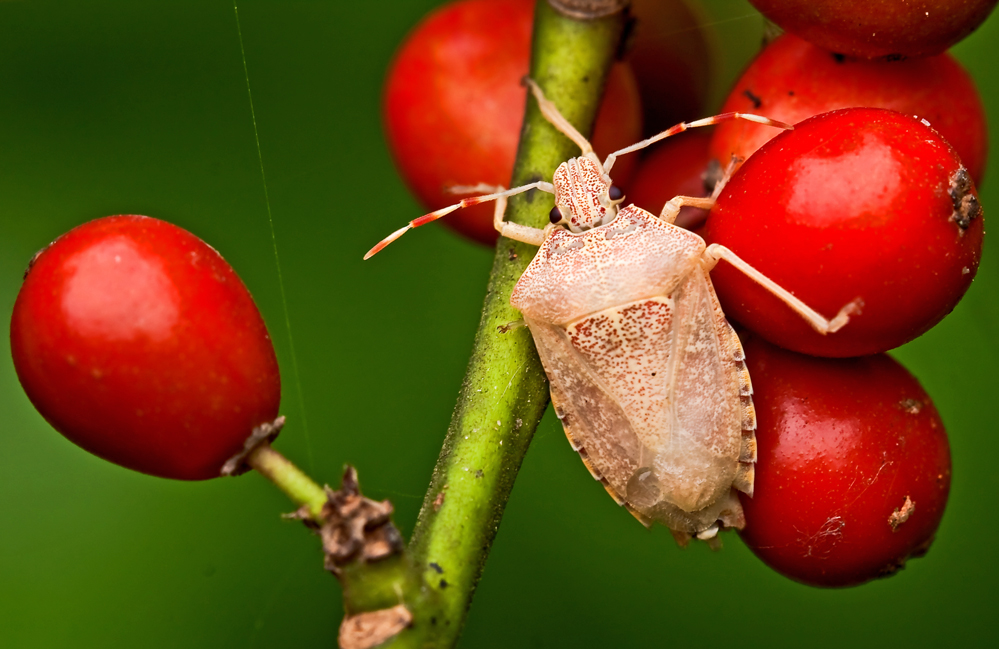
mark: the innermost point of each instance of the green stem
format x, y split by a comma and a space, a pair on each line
367, 586
288, 478
505, 391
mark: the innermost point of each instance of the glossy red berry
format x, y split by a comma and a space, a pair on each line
853, 466
879, 28
139, 343
674, 168
454, 103
792, 80
857, 203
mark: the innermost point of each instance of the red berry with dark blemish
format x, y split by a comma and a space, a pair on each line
454, 103
879, 28
853, 469
138, 342
792, 80
856, 203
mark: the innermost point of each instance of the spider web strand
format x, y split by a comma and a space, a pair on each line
277, 258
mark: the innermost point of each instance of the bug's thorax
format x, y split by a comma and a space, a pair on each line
581, 194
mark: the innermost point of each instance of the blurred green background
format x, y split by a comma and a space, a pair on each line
141, 107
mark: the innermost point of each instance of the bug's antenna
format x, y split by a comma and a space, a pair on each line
466, 202
683, 126
552, 114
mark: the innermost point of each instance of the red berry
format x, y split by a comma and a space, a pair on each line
674, 168
792, 80
138, 342
855, 203
454, 104
876, 28
853, 469
673, 61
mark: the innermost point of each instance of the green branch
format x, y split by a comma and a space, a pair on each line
505, 392
419, 597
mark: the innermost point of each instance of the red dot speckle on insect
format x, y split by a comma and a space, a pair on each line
138, 342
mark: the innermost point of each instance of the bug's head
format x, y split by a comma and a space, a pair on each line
584, 196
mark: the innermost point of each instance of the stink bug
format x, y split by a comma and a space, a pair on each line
647, 376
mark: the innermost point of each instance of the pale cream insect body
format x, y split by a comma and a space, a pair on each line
646, 374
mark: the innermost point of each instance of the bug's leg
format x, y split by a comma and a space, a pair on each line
683, 126
552, 114
498, 214
510, 326
673, 205
466, 202
716, 252
523, 233
516, 231
672, 208
733, 164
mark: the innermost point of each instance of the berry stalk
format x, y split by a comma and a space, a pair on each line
287, 477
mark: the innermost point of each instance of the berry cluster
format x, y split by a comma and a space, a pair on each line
139, 343
871, 198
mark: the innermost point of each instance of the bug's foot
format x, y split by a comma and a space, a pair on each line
510, 326
709, 533
853, 308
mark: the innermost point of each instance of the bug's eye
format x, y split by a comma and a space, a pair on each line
615, 193
555, 215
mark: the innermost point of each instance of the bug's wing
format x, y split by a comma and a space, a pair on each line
712, 445
594, 422
615, 376
655, 397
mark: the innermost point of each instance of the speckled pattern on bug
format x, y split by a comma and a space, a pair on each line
647, 376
